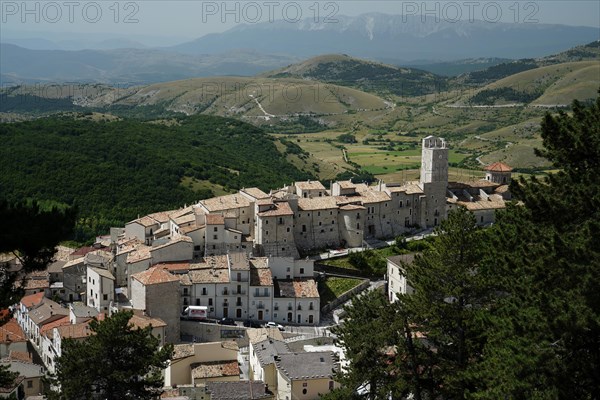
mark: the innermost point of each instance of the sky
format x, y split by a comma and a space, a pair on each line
162, 22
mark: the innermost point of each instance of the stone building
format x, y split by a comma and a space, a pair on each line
156, 292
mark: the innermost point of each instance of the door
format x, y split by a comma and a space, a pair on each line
225, 312
238, 313
290, 318
260, 315
299, 318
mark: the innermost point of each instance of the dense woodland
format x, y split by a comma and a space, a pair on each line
114, 171
507, 312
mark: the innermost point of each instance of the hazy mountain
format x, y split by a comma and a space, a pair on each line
396, 37
127, 66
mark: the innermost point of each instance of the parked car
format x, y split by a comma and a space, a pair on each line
227, 321
252, 324
272, 324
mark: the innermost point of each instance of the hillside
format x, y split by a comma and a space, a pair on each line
276, 103
552, 85
368, 76
115, 170
588, 52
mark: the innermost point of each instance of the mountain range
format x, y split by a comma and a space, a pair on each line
246, 50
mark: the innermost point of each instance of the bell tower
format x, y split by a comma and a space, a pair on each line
434, 179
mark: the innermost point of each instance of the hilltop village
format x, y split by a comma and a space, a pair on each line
242, 256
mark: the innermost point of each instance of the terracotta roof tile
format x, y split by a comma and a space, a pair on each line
32, 300
215, 369
498, 167
215, 219
227, 202
75, 331
142, 321
317, 203
299, 287
255, 192
12, 332
281, 208
154, 276
310, 185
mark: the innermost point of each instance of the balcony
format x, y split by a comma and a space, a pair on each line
261, 294
238, 303
260, 306
225, 304
311, 308
290, 308
225, 292
238, 292
299, 307
276, 307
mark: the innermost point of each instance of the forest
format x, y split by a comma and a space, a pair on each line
113, 171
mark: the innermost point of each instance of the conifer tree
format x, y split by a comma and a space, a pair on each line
545, 338
117, 362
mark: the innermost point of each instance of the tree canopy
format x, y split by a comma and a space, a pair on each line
116, 362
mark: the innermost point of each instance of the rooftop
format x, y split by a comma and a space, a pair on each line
140, 253
74, 331
309, 365
317, 203
299, 287
11, 332
242, 390
48, 311
102, 272
215, 219
498, 167
310, 185
260, 274
32, 299
142, 321
154, 276
56, 267
215, 369
226, 202
255, 192
280, 208
268, 349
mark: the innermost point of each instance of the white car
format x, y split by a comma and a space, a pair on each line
272, 324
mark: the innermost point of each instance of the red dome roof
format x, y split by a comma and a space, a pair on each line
498, 167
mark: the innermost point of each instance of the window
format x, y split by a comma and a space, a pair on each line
204, 291
318, 213
301, 270
303, 228
215, 237
210, 302
215, 229
266, 232
288, 229
267, 222
400, 205
304, 391
357, 226
197, 302
29, 384
105, 297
